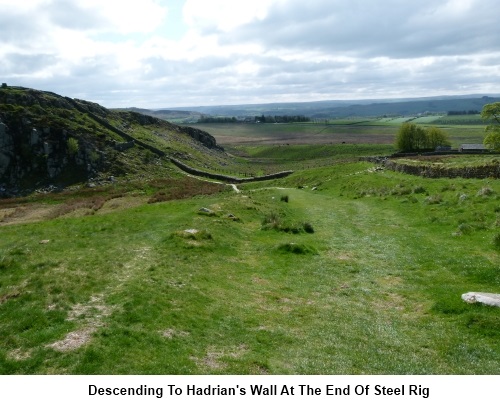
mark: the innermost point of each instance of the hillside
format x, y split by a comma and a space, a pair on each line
50, 140
176, 116
352, 108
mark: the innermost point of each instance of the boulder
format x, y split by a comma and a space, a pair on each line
483, 298
205, 210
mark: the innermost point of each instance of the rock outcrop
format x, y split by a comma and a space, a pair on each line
201, 136
47, 139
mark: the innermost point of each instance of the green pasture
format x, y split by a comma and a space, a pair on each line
312, 153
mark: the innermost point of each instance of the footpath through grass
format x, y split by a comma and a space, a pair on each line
362, 275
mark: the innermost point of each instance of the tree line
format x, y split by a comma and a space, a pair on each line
470, 112
206, 119
282, 118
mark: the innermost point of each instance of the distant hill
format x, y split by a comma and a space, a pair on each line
50, 140
358, 108
175, 116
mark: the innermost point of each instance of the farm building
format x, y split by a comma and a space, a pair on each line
473, 148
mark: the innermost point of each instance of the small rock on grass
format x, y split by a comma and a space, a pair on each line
207, 211
483, 298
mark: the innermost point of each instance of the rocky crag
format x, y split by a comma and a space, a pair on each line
47, 139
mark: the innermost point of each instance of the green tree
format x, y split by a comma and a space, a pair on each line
436, 137
491, 112
411, 137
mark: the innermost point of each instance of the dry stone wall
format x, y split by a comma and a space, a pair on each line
477, 172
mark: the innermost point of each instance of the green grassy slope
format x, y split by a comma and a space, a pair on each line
374, 290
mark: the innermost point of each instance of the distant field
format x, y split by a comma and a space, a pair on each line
275, 134
353, 131
460, 120
427, 120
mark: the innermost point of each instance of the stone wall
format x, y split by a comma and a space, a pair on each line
478, 172
228, 179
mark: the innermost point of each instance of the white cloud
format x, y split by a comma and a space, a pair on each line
126, 16
224, 15
22, 6
121, 52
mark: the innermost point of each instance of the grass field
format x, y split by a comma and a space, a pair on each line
305, 134
334, 270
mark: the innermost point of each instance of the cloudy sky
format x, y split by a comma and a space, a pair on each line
172, 53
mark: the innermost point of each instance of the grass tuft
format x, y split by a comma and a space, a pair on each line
434, 199
297, 248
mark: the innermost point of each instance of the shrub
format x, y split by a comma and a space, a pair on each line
72, 146
284, 198
271, 221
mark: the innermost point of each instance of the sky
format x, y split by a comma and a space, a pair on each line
180, 53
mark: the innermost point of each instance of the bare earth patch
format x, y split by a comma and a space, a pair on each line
172, 333
19, 355
93, 310
34, 212
91, 315
73, 340
390, 301
25, 214
213, 361
122, 203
